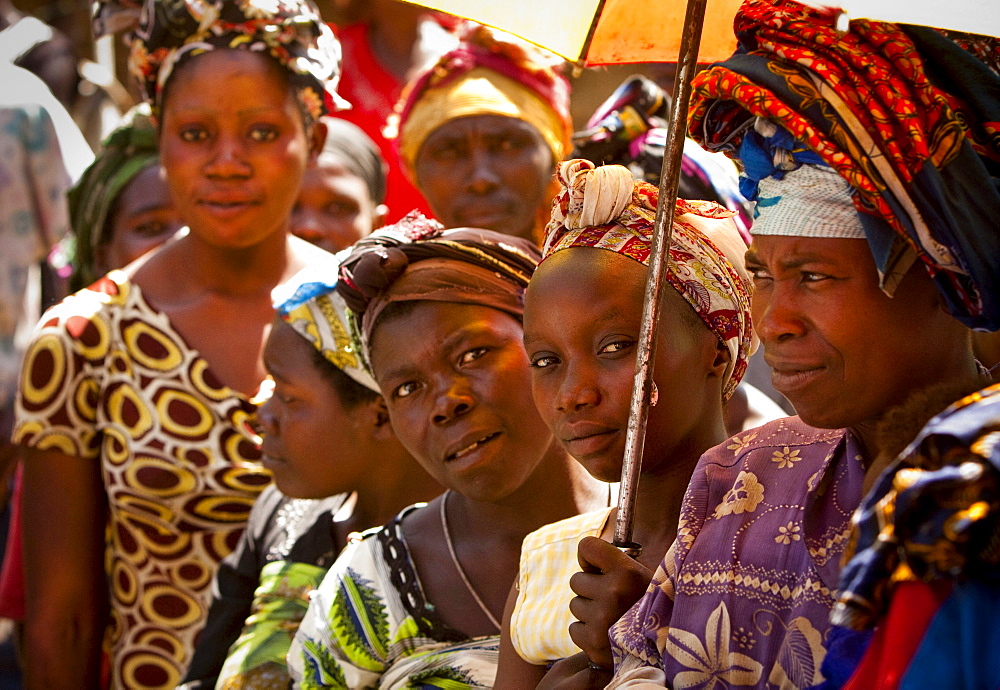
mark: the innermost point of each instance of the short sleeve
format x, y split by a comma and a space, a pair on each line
58, 393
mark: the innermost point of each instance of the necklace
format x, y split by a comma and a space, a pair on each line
458, 566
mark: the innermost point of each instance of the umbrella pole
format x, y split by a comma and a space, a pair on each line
642, 386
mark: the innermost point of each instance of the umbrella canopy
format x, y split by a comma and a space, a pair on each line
602, 32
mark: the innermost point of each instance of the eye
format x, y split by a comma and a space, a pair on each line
472, 355
342, 208
405, 389
543, 360
193, 134
150, 229
264, 133
616, 347
813, 277
448, 151
758, 272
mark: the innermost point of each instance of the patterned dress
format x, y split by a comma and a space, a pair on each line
369, 625
107, 378
743, 597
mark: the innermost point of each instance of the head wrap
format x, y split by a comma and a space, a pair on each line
485, 76
290, 31
904, 115
309, 303
355, 149
126, 152
417, 260
605, 208
818, 188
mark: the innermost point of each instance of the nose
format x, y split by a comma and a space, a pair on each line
305, 223
483, 177
228, 159
577, 391
777, 315
454, 401
267, 419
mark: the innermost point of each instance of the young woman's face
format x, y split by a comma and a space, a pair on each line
312, 442
485, 171
583, 312
457, 385
234, 146
334, 209
144, 217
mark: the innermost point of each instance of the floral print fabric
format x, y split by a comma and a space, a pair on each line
743, 597
107, 378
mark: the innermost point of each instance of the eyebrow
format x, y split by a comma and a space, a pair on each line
606, 317
795, 261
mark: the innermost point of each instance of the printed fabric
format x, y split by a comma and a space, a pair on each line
539, 624
907, 117
108, 379
743, 597
369, 625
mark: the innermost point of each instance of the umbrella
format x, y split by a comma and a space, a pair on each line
602, 32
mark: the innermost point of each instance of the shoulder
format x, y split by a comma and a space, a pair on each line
571, 529
788, 432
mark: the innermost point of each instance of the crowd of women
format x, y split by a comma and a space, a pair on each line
267, 442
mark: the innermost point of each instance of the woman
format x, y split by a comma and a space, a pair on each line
325, 431
342, 198
136, 392
121, 207
480, 133
419, 600
583, 312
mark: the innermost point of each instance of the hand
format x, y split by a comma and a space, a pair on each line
575, 673
609, 585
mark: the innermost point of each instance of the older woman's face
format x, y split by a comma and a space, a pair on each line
486, 171
234, 146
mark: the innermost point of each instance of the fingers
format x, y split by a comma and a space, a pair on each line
594, 642
596, 555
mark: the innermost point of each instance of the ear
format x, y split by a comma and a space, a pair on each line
721, 360
381, 427
379, 215
317, 139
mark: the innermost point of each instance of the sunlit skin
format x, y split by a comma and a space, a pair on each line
334, 209
459, 398
841, 350
465, 380
235, 156
583, 313
143, 218
486, 171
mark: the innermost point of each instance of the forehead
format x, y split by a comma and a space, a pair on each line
779, 250
474, 126
583, 273
223, 75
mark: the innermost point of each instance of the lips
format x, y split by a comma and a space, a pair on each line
584, 439
469, 445
790, 377
227, 204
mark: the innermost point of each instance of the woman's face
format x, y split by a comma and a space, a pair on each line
486, 171
334, 209
312, 443
143, 218
583, 312
457, 385
234, 145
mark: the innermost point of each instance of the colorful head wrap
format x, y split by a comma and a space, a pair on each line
606, 208
290, 31
904, 115
485, 76
418, 260
126, 152
355, 149
309, 303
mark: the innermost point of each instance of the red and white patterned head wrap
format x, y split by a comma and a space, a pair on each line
605, 208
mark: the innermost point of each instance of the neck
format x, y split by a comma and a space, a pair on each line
661, 490
236, 272
400, 482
